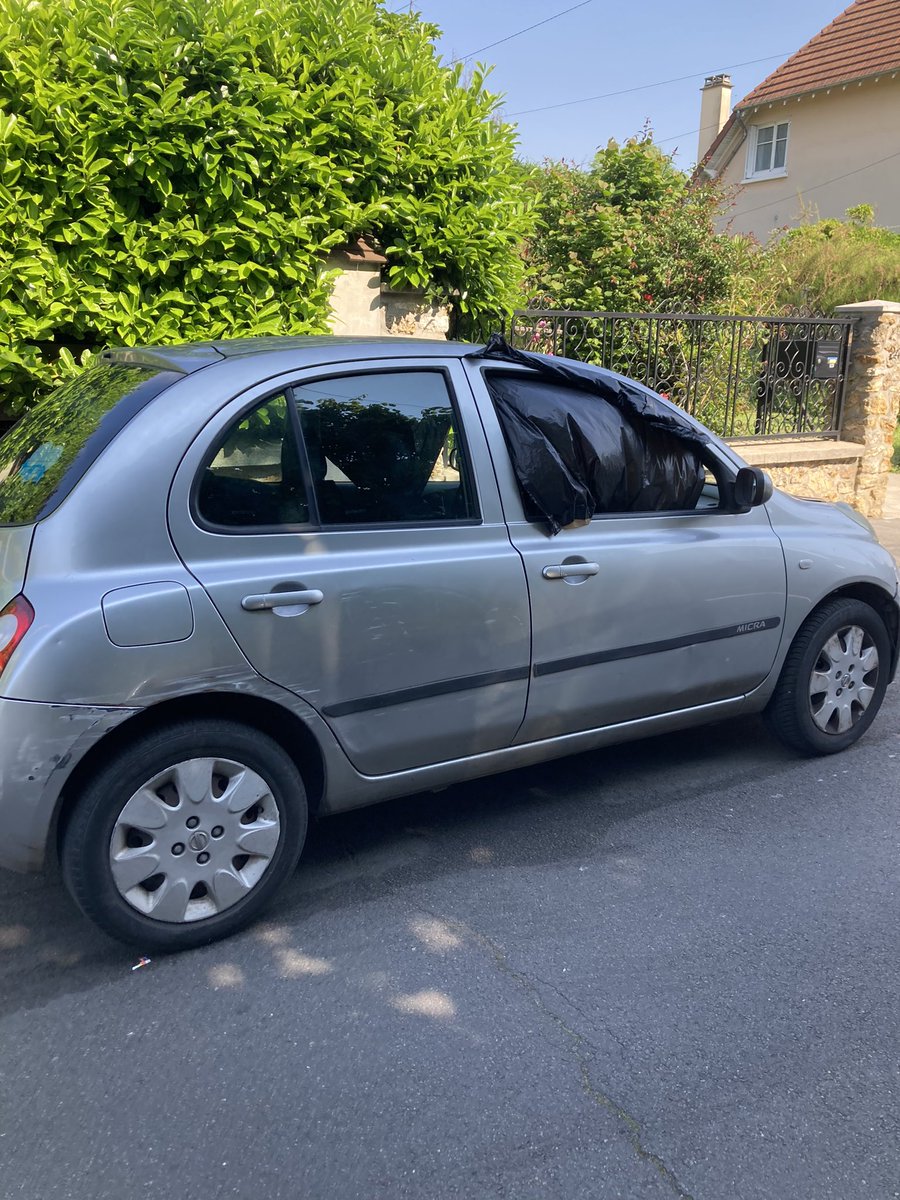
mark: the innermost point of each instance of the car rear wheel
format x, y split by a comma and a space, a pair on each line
185, 835
833, 680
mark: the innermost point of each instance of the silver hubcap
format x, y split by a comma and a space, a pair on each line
194, 840
843, 681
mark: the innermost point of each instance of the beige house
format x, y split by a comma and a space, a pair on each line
820, 134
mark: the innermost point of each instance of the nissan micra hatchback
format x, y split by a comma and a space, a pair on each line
246, 583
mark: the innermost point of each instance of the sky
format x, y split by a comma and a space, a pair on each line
603, 47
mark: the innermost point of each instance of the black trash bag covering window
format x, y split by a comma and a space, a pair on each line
574, 457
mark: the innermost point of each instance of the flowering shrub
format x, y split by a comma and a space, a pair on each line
631, 234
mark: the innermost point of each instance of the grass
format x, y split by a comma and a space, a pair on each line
837, 262
895, 459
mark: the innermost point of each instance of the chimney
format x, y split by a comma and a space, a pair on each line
715, 109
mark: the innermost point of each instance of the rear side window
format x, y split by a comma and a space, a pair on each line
45, 454
385, 448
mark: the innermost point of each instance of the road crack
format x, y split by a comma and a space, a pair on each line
581, 1047
570, 1003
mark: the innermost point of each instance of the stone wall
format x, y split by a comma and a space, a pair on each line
812, 468
409, 314
872, 397
818, 481
361, 306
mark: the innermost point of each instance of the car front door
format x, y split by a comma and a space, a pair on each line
365, 496
639, 614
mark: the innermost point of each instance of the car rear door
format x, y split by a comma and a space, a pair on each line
638, 614
366, 496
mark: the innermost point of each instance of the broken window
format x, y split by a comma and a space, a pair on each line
585, 442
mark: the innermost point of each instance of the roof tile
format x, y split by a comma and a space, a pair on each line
863, 41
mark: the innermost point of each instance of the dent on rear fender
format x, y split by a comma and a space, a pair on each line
147, 692
78, 731
44, 742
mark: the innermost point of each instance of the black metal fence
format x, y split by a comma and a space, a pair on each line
743, 377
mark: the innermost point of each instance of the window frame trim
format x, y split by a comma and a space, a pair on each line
752, 176
286, 389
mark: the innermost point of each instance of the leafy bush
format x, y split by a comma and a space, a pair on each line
630, 235
826, 263
175, 169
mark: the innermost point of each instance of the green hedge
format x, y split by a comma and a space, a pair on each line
176, 169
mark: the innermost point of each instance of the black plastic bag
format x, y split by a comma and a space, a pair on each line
575, 457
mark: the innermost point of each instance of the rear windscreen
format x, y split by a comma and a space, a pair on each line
45, 454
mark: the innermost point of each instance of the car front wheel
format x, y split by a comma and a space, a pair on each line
833, 680
185, 835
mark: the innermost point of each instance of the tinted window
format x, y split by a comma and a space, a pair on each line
254, 476
385, 448
45, 454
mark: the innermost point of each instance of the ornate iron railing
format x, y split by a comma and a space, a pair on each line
743, 377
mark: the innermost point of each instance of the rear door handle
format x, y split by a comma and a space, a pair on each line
281, 599
570, 570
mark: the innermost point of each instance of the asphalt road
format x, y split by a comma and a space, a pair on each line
668, 969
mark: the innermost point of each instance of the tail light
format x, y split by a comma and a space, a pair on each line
15, 621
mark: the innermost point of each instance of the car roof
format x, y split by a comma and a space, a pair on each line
194, 355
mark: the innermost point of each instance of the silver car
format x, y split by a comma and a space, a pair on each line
247, 583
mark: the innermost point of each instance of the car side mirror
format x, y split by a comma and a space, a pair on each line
752, 487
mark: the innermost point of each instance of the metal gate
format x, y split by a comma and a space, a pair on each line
743, 377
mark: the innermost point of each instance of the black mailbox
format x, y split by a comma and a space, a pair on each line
828, 356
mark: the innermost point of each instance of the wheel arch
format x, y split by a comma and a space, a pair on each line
292, 734
883, 603
789, 711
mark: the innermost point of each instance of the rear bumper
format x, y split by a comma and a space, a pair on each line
40, 744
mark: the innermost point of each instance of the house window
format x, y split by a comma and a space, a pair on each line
767, 153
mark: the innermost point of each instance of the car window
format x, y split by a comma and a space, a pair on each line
385, 447
577, 455
44, 455
253, 478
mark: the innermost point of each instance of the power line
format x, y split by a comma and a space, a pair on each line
509, 37
825, 182
675, 137
642, 87
800, 191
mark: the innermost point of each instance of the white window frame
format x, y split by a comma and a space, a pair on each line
750, 174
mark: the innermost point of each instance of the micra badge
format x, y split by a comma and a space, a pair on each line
750, 627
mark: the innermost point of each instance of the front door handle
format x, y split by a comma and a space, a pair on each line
281, 599
570, 570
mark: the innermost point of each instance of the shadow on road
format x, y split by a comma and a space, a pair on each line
542, 814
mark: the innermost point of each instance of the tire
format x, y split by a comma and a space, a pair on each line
833, 680
133, 852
